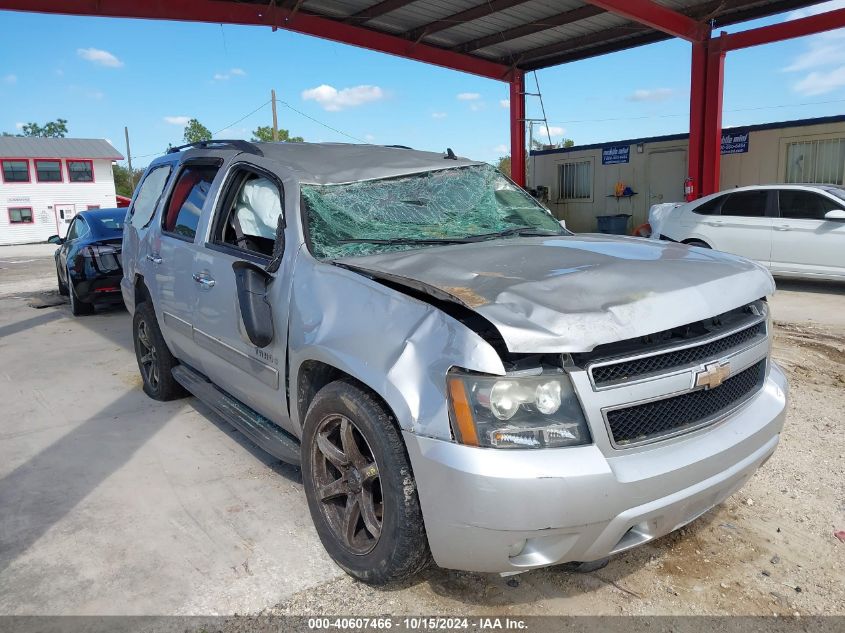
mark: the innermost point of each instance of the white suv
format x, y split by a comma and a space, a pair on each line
795, 230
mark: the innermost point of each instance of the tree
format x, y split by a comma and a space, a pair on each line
504, 165
564, 142
124, 181
51, 129
196, 132
264, 134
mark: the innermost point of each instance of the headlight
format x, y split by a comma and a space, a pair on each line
516, 412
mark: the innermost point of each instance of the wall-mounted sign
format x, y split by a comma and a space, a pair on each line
615, 154
17, 199
735, 142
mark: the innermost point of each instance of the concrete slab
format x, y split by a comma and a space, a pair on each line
810, 303
113, 503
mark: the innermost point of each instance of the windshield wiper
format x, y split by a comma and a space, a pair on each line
407, 240
520, 231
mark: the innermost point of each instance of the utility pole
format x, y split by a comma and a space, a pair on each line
129, 157
275, 120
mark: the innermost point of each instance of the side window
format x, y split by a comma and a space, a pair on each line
187, 200
249, 213
748, 204
804, 205
149, 193
74, 231
711, 207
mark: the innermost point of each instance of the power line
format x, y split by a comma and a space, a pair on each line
341, 132
263, 105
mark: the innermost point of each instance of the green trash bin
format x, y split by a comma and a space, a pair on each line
613, 224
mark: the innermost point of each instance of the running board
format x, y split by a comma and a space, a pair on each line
255, 426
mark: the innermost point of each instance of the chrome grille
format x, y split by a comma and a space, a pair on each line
670, 416
629, 369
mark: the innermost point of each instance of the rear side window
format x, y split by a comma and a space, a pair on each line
804, 205
188, 199
149, 193
748, 204
248, 217
711, 207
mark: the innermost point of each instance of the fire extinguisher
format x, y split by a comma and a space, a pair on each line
689, 189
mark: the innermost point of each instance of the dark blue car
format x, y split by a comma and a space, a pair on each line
88, 260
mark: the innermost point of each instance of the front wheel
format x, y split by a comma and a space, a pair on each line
360, 488
154, 358
62, 285
698, 243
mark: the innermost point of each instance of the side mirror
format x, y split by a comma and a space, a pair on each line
257, 315
836, 214
55, 239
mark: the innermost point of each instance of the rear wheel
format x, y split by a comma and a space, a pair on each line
77, 307
360, 488
154, 358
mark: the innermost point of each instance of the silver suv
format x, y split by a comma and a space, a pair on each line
459, 377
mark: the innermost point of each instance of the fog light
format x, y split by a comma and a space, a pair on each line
516, 548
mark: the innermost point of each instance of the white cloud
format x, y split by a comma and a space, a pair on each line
468, 96
821, 82
502, 149
101, 57
438, 115
822, 7
177, 120
333, 100
552, 130
233, 72
476, 106
654, 94
10, 79
369, 138
505, 103
19, 125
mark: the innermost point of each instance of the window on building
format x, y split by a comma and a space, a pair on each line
187, 200
804, 205
48, 170
748, 204
575, 180
817, 162
15, 170
80, 170
20, 215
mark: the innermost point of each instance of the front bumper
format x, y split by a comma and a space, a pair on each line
496, 510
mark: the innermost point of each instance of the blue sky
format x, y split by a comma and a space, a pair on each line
101, 74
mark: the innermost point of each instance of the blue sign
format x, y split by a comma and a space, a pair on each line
735, 142
615, 154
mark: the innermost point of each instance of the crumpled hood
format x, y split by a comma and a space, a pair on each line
572, 293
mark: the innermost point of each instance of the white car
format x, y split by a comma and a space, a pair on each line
795, 230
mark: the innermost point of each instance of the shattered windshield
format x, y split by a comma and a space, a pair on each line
447, 206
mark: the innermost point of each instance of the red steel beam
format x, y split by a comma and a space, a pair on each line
698, 85
517, 111
248, 13
784, 31
657, 17
712, 128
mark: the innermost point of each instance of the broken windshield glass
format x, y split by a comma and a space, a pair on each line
460, 204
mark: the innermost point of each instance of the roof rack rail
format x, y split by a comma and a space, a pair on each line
244, 146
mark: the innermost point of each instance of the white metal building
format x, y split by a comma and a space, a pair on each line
582, 180
44, 182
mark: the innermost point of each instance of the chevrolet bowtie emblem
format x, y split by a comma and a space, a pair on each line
713, 375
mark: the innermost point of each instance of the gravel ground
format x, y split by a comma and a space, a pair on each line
769, 550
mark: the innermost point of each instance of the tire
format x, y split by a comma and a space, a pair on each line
353, 458
77, 307
155, 361
698, 243
62, 285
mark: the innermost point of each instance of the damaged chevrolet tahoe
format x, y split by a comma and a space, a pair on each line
459, 377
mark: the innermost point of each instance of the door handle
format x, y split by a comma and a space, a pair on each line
782, 227
155, 259
714, 223
204, 279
